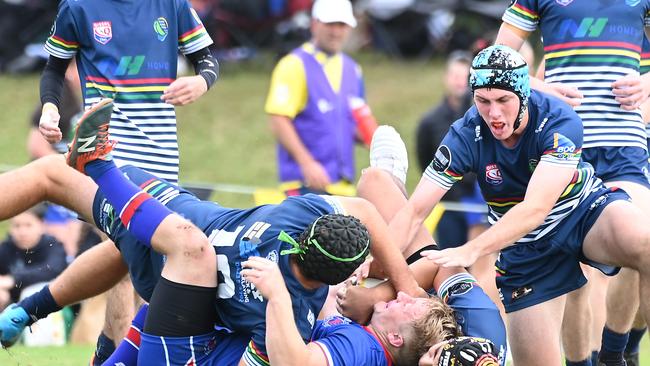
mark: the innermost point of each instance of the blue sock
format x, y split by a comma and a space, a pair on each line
127, 351
139, 212
40, 304
585, 362
594, 358
611, 351
633, 343
613, 342
105, 347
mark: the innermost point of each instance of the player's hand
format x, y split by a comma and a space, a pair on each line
362, 272
315, 175
432, 357
462, 256
185, 90
630, 91
48, 125
568, 94
265, 275
355, 302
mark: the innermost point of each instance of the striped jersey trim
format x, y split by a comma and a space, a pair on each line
60, 48
254, 357
453, 280
521, 17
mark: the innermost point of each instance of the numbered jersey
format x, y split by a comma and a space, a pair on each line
236, 234
553, 136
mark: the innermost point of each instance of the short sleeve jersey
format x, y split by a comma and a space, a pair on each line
344, 342
588, 45
127, 50
553, 135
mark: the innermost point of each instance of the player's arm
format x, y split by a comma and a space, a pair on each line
544, 189
409, 219
188, 89
51, 86
383, 246
283, 341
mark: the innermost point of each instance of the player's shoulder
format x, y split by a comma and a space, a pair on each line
548, 110
468, 127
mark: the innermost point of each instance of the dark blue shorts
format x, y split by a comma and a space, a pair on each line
219, 348
619, 163
532, 273
145, 265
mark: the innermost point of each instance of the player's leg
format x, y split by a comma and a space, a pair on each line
117, 320
624, 286
621, 236
534, 333
45, 179
576, 327
182, 303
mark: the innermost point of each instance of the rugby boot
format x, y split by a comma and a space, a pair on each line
91, 140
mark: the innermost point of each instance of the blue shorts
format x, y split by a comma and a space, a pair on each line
475, 218
145, 264
532, 273
219, 348
619, 163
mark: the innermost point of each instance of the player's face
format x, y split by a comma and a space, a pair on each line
330, 37
403, 310
499, 109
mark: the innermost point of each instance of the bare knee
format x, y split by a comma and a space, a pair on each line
190, 242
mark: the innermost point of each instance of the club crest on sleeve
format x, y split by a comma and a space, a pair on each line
102, 31
442, 159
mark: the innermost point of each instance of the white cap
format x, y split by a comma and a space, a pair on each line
332, 11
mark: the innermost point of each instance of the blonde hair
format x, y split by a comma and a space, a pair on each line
436, 325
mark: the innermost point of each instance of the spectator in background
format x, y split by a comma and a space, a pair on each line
28, 255
313, 92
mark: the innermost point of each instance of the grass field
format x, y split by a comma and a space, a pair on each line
225, 138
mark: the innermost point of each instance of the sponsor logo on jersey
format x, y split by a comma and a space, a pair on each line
442, 160
460, 288
599, 201
335, 320
493, 174
563, 147
477, 134
161, 27
588, 28
311, 318
102, 31
541, 125
564, 2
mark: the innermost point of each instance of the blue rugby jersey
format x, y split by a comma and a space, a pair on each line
239, 234
128, 50
553, 135
588, 45
344, 342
